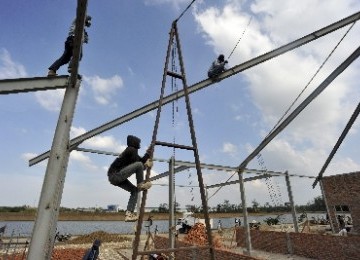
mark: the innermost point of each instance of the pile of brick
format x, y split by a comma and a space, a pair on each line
198, 236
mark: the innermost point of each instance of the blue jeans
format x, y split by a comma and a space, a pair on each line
120, 179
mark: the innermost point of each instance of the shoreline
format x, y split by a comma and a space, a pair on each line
120, 216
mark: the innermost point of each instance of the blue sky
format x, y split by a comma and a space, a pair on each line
122, 70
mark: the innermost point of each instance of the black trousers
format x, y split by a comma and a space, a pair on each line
66, 56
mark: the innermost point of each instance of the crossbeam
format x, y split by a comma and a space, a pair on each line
14, 86
184, 165
167, 173
205, 83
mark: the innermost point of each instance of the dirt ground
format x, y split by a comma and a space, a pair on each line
117, 246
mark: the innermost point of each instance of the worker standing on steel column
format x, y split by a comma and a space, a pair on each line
69, 45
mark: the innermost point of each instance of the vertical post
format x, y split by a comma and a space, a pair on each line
245, 213
44, 230
43, 235
293, 211
327, 206
171, 206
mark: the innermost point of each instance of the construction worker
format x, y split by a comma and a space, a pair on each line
128, 163
93, 252
69, 45
217, 67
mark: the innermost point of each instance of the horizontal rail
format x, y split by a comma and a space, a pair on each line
21, 85
174, 145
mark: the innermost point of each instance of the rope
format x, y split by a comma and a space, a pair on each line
312, 78
240, 37
185, 10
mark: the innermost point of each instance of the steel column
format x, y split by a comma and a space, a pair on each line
172, 207
245, 213
44, 230
293, 211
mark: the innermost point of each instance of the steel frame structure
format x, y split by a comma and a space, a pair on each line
50, 199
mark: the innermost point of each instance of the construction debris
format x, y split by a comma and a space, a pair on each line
197, 236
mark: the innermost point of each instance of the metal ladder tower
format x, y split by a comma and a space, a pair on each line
174, 38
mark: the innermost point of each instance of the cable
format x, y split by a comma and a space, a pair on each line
240, 37
185, 10
221, 186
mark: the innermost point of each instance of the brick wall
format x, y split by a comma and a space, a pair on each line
200, 254
343, 189
303, 244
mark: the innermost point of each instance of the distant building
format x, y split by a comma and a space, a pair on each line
113, 208
342, 193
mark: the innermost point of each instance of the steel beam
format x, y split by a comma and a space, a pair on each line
14, 86
207, 82
185, 165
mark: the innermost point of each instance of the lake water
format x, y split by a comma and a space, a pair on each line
24, 228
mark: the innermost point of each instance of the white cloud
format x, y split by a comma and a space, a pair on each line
229, 148
83, 160
275, 84
50, 100
104, 89
28, 156
105, 143
9, 68
295, 17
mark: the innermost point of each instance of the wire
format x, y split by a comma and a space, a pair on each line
221, 186
240, 37
185, 10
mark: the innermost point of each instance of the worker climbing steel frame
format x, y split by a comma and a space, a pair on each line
174, 39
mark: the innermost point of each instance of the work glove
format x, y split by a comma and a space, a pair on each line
148, 163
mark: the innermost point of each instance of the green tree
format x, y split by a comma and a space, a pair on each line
163, 208
255, 205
